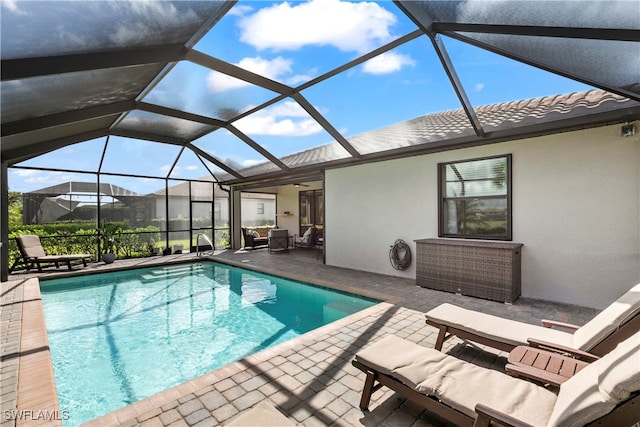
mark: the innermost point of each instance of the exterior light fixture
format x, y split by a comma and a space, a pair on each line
627, 130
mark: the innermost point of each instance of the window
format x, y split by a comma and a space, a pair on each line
475, 198
311, 210
260, 208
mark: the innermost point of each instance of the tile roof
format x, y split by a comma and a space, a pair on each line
453, 126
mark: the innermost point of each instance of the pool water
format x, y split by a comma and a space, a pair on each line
119, 337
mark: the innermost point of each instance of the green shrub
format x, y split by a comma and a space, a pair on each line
82, 237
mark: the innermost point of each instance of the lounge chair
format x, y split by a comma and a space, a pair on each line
598, 336
32, 253
606, 391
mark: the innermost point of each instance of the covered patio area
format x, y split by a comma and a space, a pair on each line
309, 379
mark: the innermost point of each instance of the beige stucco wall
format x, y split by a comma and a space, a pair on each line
576, 209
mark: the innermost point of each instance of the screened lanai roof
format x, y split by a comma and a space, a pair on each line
233, 85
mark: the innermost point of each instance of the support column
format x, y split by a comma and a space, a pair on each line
236, 219
4, 222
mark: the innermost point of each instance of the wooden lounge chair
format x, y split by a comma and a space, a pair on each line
600, 335
605, 392
32, 253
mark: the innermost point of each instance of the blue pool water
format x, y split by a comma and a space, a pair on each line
119, 337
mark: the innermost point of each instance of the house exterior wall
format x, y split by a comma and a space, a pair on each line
576, 210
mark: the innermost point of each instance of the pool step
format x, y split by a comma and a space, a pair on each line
338, 309
169, 273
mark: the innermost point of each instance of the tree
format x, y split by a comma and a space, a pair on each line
15, 209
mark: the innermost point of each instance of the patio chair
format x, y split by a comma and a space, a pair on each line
606, 391
252, 239
278, 240
307, 240
32, 253
600, 335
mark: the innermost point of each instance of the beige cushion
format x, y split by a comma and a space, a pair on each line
619, 371
496, 328
608, 320
280, 232
263, 414
31, 246
458, 384
599, 387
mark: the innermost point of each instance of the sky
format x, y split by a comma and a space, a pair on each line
290, 43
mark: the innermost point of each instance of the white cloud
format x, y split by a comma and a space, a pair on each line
240, 10
249, 162
12, 5
299, 78
47, 179
350, 27
284, 119
478, 87
387, 63
166, 168
24, 172
272, 69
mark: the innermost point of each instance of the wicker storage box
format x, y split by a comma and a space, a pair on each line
482, 269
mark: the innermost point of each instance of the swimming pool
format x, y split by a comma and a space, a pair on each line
116, 338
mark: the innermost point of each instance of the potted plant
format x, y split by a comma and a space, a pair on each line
109, 235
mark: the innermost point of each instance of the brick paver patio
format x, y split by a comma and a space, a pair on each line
309, 379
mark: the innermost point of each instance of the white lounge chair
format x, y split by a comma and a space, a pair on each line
598, 336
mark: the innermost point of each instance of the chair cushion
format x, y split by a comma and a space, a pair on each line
494, 327
458, 384
253, 233
31, 246
608, 320
619, 371
599, 387
279, 232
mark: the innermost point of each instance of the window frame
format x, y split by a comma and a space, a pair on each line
443, 199
311, 207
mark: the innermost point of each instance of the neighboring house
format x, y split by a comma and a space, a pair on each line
46, 204
60, 202
49, 209
257, 208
